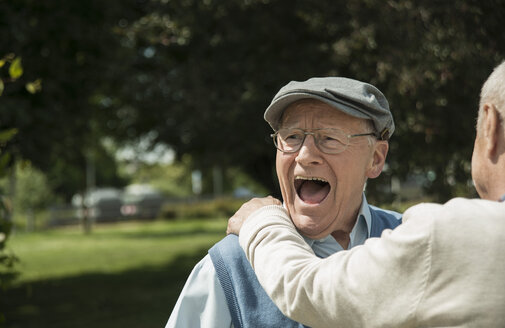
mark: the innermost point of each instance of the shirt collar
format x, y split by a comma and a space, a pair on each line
367, 215
359, 233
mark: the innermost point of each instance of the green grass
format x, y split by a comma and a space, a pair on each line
121, 275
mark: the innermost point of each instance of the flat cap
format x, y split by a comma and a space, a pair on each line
353, 97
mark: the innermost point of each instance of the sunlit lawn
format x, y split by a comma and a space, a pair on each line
121, 275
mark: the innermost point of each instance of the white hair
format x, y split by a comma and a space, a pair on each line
493, 92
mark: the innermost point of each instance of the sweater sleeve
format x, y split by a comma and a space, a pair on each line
378, 284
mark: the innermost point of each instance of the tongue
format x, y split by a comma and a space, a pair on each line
313, 192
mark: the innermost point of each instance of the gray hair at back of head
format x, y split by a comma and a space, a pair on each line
493, 92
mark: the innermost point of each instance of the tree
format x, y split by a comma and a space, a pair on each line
7, 260
198, 74
33, 193
209, 69
71, 47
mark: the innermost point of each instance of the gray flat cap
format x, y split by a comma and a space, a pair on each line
353, 97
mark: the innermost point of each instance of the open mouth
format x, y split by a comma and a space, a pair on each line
311, 190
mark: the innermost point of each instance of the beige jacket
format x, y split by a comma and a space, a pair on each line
443, 267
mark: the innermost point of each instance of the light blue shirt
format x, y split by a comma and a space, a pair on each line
202, 302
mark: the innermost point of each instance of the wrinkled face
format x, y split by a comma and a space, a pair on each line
323, 192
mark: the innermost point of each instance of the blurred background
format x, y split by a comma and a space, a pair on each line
130, 130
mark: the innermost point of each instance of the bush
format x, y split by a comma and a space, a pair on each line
7, 259
219, 207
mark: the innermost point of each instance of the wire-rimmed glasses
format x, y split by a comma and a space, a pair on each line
328, 140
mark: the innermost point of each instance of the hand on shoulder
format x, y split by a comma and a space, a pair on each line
236, 221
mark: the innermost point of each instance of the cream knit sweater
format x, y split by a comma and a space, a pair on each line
443, 267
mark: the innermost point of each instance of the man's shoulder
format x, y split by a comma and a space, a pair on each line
201, 277
204, 269
473, 203
226, 247
458, 204
386, 213
227, 257
382, 219
201, 298
457, 209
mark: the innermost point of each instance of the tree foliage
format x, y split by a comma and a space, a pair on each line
199, 74
211, 67
69, 47
7, 259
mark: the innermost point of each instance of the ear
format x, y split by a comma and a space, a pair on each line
490, 129
378, 159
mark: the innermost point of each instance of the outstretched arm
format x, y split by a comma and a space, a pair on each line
378, 284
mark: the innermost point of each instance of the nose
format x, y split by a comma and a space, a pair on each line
309, 154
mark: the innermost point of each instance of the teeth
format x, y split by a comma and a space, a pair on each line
298, 177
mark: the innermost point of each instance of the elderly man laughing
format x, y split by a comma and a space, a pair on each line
443, 267
331, 135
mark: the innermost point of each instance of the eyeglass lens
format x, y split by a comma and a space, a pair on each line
328, 140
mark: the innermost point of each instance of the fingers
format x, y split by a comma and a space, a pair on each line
269, 200
237, 220
234, 225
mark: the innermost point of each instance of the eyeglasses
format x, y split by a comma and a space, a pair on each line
329, 141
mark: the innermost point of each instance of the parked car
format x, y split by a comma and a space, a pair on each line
141, 201
100, 204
